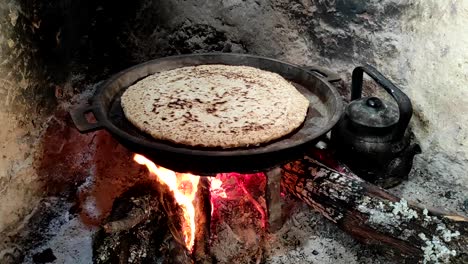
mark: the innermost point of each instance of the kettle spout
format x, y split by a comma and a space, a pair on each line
399, 168
406, 159
414, 149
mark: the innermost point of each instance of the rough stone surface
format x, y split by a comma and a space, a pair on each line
18, 180
37, 42
420, 44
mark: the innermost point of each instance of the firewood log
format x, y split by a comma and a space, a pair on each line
201, 253
138, 214
133, 223
405, 231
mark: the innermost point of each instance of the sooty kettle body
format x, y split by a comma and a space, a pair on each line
372, 136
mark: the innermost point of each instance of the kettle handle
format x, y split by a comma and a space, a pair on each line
404, 104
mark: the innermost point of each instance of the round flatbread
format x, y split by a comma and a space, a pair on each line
215, 106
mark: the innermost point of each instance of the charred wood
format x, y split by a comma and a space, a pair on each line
134, 230
273, 199
405, 231
138, 214
175, 252
201, 253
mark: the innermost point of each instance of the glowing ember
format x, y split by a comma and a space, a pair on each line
184, 186
236, 186
216, 191
215, 187
253, 201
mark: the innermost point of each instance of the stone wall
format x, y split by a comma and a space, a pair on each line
19, 126
435, 52
49, 52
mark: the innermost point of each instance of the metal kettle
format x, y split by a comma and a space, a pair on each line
372, 137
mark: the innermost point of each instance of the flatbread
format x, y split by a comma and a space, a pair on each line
215, 106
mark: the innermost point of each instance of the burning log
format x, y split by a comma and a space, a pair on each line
186, 200
144, 227
273, 198
375, 217
238, 225
201, 253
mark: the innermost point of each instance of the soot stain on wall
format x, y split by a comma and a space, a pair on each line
346, 29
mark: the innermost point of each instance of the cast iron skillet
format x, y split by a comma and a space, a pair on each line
324, 111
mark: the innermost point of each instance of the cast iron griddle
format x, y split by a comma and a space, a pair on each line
324, 111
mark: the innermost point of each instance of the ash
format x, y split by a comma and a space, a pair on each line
52, 233
306, 237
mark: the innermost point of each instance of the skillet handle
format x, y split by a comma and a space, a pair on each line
79, 119
324, 73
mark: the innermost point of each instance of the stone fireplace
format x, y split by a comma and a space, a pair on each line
57, 185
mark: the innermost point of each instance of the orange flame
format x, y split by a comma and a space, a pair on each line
184, 186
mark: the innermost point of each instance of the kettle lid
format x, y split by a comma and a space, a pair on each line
372, 112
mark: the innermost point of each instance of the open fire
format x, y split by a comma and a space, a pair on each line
184, 187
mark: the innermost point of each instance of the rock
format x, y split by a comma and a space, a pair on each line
46, 256
465, 205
